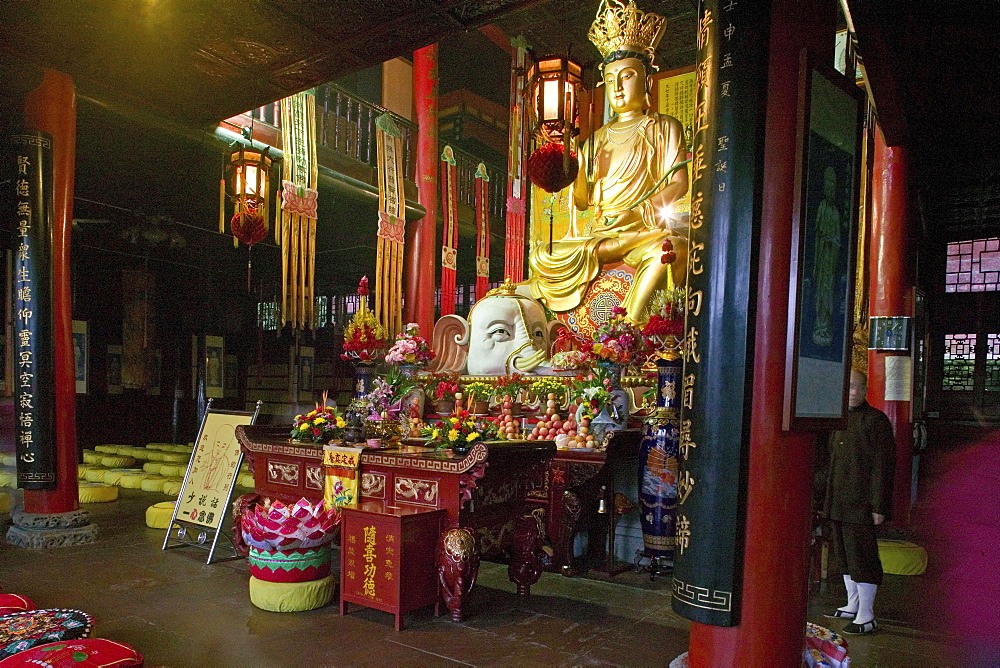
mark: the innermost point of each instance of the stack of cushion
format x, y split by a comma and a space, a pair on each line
20, 631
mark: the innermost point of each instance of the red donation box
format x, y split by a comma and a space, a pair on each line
387, 557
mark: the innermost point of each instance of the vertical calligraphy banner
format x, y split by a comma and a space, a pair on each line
482, 231
717, 390
34, 360
449, 238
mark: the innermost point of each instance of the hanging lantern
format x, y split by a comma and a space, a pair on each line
555, 85
248, 171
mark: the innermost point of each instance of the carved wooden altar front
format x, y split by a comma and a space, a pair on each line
484, 493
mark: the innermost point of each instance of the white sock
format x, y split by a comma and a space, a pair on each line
866, 602
852, 595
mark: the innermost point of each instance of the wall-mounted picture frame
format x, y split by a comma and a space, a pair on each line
214, 367
307, 361
230, 376
81, 350
825, 221
114, 362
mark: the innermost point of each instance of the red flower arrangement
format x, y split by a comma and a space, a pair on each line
364, 338
666, 324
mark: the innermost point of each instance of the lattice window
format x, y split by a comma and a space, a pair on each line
993, 362
959, 361
973, 266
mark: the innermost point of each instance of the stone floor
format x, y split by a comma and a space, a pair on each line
180, 612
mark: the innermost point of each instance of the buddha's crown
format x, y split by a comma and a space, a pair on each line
621, 27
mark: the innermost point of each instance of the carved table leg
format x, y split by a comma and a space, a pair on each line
563, 544
458, 566
526, 560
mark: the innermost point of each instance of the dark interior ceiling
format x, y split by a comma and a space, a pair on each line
934, 69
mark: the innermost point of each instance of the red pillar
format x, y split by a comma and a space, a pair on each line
890, 295
52, 108
779, 488
420, 285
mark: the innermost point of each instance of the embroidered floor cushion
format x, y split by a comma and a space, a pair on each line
90, 652
20, 631
15, 603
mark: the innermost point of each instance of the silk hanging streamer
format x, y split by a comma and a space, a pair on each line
449, 240
299, 199
391, 226
517, 159
482, 231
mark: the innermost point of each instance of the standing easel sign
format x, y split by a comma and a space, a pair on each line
208, 484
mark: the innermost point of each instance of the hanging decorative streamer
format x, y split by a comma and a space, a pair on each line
299, 198
449, 241
391, 226
517, 159
482, 231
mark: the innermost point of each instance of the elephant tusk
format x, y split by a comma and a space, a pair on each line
531, 362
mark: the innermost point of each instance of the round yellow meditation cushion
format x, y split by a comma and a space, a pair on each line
245, 480
154, 468
8, 460
172, 487
95, 474
158, 515
114, 476
6, 503
156, 446
176, 458
292, 596
153, 483
93, 457
8, 478
117, 461
900, 557
132, 480
95, 492
170, 470
81, 470
112, 448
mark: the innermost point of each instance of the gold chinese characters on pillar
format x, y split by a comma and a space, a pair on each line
299, 198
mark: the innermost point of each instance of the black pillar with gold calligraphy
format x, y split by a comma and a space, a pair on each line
34, 362
718, 349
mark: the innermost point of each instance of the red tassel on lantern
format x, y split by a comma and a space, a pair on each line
248, 226
547, 168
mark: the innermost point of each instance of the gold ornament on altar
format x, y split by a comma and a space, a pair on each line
623, 27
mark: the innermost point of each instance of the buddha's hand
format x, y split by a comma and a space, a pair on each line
624, 220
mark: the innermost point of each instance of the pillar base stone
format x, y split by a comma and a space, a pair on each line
43, 531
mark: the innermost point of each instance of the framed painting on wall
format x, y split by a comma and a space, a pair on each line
214, 367
825, 220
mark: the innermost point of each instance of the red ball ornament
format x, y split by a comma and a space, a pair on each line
249, 227
668, 252
545, 167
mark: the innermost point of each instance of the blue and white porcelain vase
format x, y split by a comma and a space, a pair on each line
658, 465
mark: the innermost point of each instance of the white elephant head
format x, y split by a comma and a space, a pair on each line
506, 333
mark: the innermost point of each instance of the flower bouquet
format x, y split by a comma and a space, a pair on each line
410, 349
665, 328
595, 393
617, 341
459, 432
510, 386
364, 338
547, 385
320, 425
441, 388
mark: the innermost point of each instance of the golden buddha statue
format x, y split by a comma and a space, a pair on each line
630, 174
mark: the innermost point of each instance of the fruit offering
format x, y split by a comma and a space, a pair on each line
507, 426
552, 425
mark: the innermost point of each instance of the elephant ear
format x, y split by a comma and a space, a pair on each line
451, 343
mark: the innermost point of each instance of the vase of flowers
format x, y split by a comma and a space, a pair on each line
616, 341
546, 385
320, 425
440, 388
478, 395
603, 403
665, 330
459, 433
364, 338
511, 388
410, 351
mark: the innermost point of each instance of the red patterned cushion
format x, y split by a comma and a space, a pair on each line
89, 652
23, 630
15, 603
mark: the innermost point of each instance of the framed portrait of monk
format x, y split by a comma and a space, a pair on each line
824, 228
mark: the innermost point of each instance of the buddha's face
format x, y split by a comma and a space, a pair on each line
625, 85
507, 335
